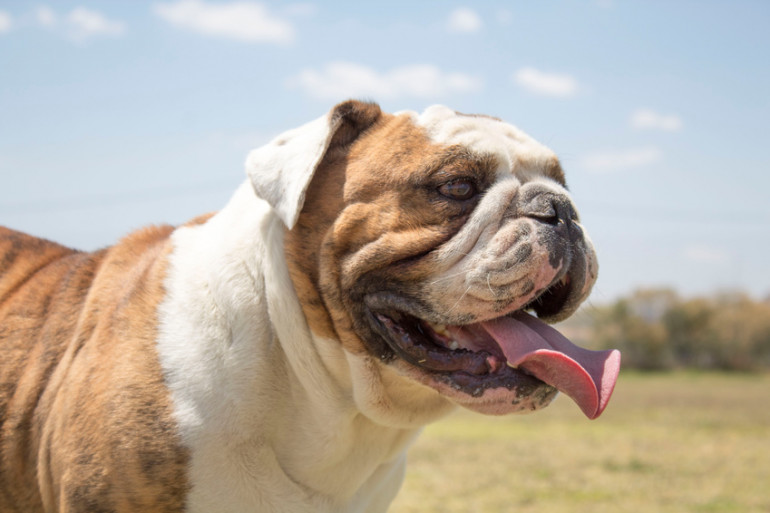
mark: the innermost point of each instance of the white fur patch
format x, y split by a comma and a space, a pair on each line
484, 136
269, 412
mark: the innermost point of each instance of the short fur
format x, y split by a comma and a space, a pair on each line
229, 365
85, 418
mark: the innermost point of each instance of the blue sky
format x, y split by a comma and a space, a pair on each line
114, 115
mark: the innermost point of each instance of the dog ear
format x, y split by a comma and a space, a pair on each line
281, 170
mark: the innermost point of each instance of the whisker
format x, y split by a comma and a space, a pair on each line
458, 301
449, 277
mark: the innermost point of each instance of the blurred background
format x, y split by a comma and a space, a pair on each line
114, 115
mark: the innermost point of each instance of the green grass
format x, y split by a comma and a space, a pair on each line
683, 442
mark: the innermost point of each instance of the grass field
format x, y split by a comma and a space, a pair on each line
667, 443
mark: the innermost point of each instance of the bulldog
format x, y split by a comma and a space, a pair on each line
373, 272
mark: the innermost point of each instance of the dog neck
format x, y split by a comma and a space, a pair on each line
269, 412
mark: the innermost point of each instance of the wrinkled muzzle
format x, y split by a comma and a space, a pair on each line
522, 248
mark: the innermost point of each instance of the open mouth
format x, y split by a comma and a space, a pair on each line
515, 352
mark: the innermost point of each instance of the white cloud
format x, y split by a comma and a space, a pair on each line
619, 160
242, 21
84, 23
546, 84
79, 24
5, 22
45, 16
648, 119
464, 21
705, 255
339, 80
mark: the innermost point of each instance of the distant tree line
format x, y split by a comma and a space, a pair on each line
658, 330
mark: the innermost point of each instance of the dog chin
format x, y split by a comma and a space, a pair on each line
511, 391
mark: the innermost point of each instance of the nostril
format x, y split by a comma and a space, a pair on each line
542, 208
549, 209
547, 218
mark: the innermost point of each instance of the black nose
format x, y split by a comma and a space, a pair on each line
548, 208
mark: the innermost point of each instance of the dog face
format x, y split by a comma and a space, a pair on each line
421, 241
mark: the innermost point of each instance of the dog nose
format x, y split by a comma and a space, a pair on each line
548, 208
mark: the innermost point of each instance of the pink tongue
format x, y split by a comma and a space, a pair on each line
588, 377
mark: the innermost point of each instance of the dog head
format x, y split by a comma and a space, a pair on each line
421, 241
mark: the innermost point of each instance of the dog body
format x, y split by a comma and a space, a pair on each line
274, 356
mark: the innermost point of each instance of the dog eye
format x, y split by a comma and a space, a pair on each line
458, 190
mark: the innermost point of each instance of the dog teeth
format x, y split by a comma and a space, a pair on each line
440, 329
512, 366
444, 336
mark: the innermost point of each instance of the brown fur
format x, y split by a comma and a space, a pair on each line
85, 419
370, 205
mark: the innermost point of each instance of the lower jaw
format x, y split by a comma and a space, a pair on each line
504, 406
510, 391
